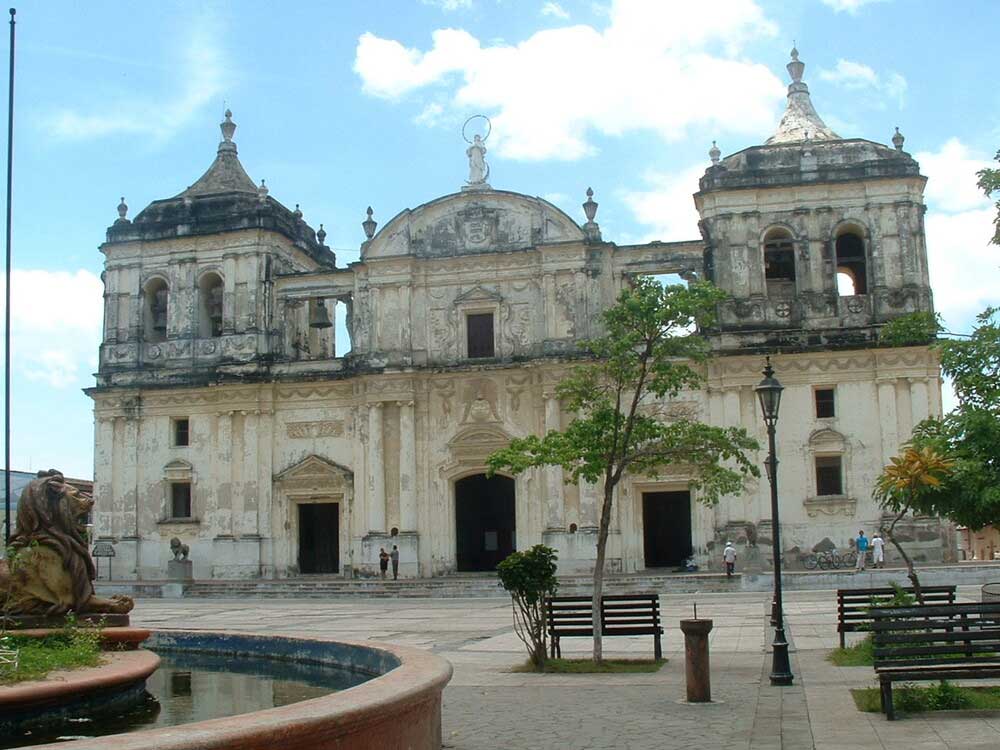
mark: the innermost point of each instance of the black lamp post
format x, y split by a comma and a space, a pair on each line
769, 393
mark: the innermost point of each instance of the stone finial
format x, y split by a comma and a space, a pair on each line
297, 213
262, 191
590, 206
897, 139
122, 212
714, 153
369, 224
795, 67
321, 236
228, 127
591, 229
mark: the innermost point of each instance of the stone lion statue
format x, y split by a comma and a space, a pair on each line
50, 570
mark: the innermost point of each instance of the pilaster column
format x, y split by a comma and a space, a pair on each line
887, 417
407, 468
919, 400
591, 497
224, 470
554, 507
376, 469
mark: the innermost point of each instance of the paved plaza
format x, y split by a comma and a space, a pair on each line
489, 707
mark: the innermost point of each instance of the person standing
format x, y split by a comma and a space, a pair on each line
878, 551
383, 561
729, 557
394, 556
861, 544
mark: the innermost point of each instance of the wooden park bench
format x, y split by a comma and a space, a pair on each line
621, 614
853, 605
934, 642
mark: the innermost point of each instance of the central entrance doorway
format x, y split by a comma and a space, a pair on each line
484, 521
319, 538
666, 528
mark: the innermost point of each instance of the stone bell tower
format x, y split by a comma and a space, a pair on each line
818, 238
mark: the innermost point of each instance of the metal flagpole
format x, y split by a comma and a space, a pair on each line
6, 380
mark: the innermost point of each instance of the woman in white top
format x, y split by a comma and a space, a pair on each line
878, 552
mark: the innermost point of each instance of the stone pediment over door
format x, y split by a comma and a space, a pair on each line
477, 294
315, 475
470, 447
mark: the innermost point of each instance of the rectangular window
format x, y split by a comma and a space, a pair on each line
829, 476
479, 330
180, 500
182, 432
824, 403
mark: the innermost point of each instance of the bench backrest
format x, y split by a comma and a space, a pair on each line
854, 605
618, 611
936, 634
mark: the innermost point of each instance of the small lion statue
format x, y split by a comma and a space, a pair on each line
50, 571
180, 550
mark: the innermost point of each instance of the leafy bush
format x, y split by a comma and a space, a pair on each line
946, 697
529, 577
913, 329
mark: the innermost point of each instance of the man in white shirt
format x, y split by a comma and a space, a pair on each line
729, 556
878, 552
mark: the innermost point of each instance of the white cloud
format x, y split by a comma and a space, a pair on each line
56, 322
964, 266
449, 5
656, 66
951, 177
667, 206
197, 80
848, 6
855, 76
430, 115
555, 10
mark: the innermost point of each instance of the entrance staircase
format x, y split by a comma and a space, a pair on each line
452, 586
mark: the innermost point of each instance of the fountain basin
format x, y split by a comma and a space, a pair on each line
399, 707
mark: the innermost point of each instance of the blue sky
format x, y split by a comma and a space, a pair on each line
342, 105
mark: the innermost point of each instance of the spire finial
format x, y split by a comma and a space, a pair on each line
897, 139
297, 212
369, 225
795, 67
262, 191
714, 153
122, 212
321, 236
228, 127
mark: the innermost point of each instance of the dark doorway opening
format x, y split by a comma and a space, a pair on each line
319, 538
666, 528
484, 521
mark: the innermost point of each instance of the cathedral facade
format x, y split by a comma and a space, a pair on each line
224, 418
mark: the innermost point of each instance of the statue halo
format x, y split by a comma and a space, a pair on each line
489, 127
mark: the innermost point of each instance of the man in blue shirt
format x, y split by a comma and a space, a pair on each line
861, 543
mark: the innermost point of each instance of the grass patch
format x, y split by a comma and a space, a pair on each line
860, 654
587, 666
941, 697
71, 649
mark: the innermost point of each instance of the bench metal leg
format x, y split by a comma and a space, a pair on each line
657, 647
887, 708
842, 639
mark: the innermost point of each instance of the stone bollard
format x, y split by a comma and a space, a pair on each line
697, 668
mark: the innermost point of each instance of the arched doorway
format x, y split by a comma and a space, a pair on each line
484, 521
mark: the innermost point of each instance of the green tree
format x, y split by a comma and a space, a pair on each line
650, 352
989, 183
909, 484
970, 433
529, 577
912, 329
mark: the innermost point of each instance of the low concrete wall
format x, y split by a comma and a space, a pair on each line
396, 710
961, 574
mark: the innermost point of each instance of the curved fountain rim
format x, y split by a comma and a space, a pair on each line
420, 674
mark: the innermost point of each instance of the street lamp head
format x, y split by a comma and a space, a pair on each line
769, 393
